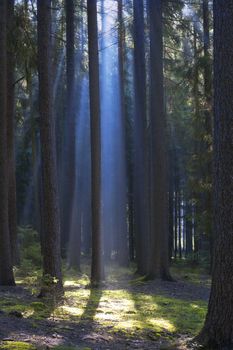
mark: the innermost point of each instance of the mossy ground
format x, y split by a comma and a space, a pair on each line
125, 304
191, 272
16, 345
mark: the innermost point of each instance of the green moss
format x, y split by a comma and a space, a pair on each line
38, 306
126, 311
16, 345
172, 314
40, 310
14, 304
132, 312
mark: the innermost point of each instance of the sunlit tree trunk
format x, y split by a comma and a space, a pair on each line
51, 215
6, 270
97, 270
218, 328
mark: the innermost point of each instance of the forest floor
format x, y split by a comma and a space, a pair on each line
126, 313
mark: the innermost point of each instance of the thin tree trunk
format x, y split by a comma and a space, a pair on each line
197, 196
97, 268
188, 228
171, 217
208, 126
180, 228
70, 215
12, 211
140, 125
123, 233
176, 224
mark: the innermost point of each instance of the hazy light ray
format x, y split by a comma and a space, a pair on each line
81, 121
113, 167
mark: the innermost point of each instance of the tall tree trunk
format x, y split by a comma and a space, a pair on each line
208, 125
97, 268
197, 207
12, 211
218, 328
123, 234
140, 125
6, 270
70, 175
51, 215
159, 264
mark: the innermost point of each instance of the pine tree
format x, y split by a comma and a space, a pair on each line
51, 216
140, 140
12, 211
159, 262
218, 328
6, 270
97, 272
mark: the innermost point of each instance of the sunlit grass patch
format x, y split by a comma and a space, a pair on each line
16, 345
161, 324
80, 293
69, 310
75, 279
132, 311
179, 313
117, 309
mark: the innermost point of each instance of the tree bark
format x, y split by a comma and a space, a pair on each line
159, 264
51, 215
140, 141
70, 174
208, 125
6, 270
12, 211
218, 328
123, 234
97, 268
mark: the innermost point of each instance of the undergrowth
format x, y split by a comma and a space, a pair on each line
120, 305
